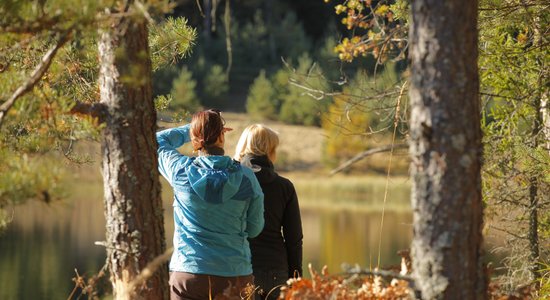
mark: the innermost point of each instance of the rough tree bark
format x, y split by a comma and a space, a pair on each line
445, 146
133, 207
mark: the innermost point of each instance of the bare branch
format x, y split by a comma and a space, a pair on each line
317, 94
506, 231
382, 273
364, 154
35, 77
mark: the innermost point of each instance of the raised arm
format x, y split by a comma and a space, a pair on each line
170, 160
292, 232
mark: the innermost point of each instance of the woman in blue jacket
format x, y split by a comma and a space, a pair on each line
218, 205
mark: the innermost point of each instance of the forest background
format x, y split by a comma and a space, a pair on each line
278, 62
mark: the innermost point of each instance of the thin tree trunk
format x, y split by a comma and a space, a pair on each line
445, 146
133, 207
207, 30
268, 15
537, 132
545, 112
532, 234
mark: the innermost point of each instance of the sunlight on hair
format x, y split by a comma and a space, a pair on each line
257, 140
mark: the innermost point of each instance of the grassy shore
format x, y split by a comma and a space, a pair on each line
351, 192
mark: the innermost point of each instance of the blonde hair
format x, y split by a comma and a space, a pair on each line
257, 140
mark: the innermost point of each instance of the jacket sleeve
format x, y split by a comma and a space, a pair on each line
170, 160
292, 232
255, 215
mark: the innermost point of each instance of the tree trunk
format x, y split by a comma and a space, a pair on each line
133, 207
532, 234
445, 146
538, 135
268, 15
545, 112
207, 10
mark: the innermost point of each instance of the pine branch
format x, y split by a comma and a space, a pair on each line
364, 154
35, 77
20, 26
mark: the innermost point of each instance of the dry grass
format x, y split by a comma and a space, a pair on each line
299, 145
351, 192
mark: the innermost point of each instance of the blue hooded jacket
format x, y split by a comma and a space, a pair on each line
218, 205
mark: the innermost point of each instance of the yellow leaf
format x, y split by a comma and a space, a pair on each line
382, 10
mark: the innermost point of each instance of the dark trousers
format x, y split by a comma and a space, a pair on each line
188, 286
269, 282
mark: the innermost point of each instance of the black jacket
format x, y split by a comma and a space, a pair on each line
274, 249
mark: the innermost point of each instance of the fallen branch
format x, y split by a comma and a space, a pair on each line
383, 273
364, 154
36, 75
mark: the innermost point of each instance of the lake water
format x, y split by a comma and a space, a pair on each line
44, 244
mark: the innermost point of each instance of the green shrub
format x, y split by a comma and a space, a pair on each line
304, 101
215, 87
183, 92
261, 102
366, 106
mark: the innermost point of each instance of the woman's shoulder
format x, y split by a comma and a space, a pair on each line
284, 181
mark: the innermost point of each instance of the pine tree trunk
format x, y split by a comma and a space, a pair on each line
445, 146
133, 207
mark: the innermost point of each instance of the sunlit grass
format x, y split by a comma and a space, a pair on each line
358, 192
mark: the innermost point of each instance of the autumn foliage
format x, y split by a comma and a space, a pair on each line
325, 286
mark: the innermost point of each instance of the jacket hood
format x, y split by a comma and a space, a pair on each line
214, 179
262, 167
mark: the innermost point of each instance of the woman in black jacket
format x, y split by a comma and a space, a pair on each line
277, 251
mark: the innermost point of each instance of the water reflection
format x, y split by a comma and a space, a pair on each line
45, 243
335, 237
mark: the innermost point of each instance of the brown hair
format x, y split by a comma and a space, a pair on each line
206, 128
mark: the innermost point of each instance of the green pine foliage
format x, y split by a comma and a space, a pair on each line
262, 102
366, 107
304, 100
170, 41
40, 126
183, 92
215, 87
290, 37
24, 177
514, 57
294, 96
